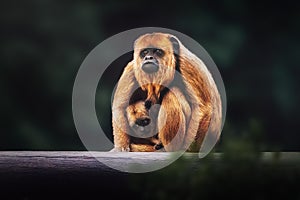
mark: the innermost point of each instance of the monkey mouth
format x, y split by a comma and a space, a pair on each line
142, 129
150, 62
150, 67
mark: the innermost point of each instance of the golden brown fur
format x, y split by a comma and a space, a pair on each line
146, 136
196, 113
173, 118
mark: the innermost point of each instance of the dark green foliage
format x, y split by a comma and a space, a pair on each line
238, 173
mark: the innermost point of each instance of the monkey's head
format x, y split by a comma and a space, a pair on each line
154, 59
141, 120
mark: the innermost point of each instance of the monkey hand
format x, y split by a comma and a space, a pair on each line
122, 149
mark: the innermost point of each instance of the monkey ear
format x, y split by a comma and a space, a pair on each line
175, 44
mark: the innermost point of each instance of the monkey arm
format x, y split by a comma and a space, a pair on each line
124, 90
172, 119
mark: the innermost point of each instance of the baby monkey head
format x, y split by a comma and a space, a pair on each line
141, 119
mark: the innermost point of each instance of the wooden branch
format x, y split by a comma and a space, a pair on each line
34, 162
34, 173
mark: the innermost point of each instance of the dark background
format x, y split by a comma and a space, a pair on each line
255, 46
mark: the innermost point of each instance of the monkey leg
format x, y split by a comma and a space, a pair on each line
121, 139
145, 144
142, 148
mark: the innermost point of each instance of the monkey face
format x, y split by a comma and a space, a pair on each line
141, 121
154, 60
150, 56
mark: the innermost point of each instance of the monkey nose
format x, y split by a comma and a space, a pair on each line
150, 67
148, 58
143, 121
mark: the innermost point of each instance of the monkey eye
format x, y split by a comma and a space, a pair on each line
159, 52
144, 53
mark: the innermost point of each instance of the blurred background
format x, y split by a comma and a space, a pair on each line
256, 47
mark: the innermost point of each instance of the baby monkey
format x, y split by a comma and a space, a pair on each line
143, 124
